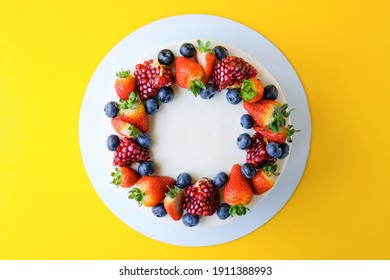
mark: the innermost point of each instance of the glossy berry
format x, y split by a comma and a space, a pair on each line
285, 150
220, 179
111, 109
146, 168
270, 92
183, 180
159, 210
273, 150
144, 141
247, 121
113, 142
244, 141
208, 92
166, 57
151, 106
248, 170
190, 220
233, 96
187, 50
223, 211
221, 52
165, 94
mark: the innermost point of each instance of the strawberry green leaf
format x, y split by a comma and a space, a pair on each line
247, 91
173, 191
117, 177
239, 210
204, 48
279, 115
134, 132
137, 195
195, 87
123, 74
270, 169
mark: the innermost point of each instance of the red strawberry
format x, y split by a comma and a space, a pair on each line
124, 128
189, 75
252, 90
264, 179
173, 203
284, 133
150, 190
125, 177
133, 111
124, 84
268, 113
238, 192
205, 58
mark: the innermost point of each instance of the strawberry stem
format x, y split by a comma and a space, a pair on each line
270, 169
173, 191
123, 74
117, 177
279, 115
247, 91
196, 86
137, 194
239, 210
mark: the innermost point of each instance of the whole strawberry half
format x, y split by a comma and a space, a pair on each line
173, 203
125, 177
252, 90
125, 129
231, 71
133, 111
128, 152
189, 75
238, 192
124, 84
150, 190
264, 180
206, 58
152, 76
285, 133
257, 153
202, 198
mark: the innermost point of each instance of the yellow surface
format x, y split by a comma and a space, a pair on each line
50, 49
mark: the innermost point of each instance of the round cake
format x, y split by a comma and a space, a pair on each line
195, 131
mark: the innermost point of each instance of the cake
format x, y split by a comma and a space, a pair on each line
196, 132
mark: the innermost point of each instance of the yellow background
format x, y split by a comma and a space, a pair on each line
50, 49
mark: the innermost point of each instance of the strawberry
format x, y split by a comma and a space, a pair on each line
284, 133
133, 111
206, 58
238, 191
264, 179
125, 177
252, 90
124, 84
268, 113
124, 128
189, 75
150, 190
173, 202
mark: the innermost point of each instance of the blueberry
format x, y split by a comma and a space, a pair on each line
190, 220
146, 168
285, 150
111, 109
159, 210
273, 150
223, 211
244, 141
187, 50
208, 92
183, 180
270, 92
151, 106
247, 121
113, 142
233, 96
166, 57
144, 140
248, 170
165, 94
220, 179
221, 52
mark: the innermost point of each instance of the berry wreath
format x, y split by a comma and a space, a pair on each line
204, 71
